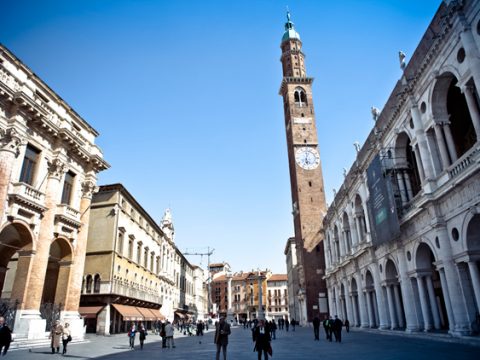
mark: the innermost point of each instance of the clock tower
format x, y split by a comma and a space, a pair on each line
308, 196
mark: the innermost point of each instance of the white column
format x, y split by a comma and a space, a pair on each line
441, 145
425, 158
407, 293
382, 324
361, 303
473, 109
420, 163
353, 233
391, 308
370, 309
450, 143
408, 185
356, 319
475, 276
401, 187
446, 296
427, 325
358, 230
398, 305
433, 303
349, 308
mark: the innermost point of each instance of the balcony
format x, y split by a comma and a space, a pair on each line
26, 202
67, 221
135, 293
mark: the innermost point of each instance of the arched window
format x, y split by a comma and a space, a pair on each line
300, 97
96, 284
88, 287
407, 182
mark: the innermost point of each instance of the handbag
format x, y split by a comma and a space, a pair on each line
269, 350
69, 338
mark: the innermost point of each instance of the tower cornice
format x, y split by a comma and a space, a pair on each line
294, 80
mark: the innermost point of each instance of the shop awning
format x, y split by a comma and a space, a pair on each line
180, 315
90, 312
158, 314
146, 313
128, 313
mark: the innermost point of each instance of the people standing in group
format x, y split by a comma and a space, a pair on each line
337, 329
222, 331
66, 337
327, 326
132, 332
5, 336
273, 329
316, 328
142, 334
261, 337
347, 325
55, 336
169, 330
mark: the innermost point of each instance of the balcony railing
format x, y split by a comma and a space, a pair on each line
28, 193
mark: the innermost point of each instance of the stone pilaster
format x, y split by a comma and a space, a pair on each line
10, 142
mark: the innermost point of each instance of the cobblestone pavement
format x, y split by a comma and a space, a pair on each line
357, 344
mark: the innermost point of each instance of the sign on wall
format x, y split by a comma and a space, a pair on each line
381, 204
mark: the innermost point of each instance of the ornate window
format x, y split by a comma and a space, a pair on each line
88, 287
67, 188
96, 284
29, 164
300, 97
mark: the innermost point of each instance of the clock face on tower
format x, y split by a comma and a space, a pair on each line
307, 158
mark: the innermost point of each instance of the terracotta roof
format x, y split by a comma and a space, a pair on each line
278, 277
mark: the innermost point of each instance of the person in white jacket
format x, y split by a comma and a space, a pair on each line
169, 334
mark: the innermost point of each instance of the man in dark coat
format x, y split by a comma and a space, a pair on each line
222, 331
316, 327
337, 329
5, 336
261, 337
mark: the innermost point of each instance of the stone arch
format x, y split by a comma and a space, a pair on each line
406, 167
396, 312
472, 234
430, 292
16, 249
450, 109
58, 272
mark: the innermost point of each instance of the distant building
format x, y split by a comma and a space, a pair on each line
133, 270
277, 297
403, 232
48, 173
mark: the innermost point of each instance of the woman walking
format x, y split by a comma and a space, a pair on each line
261, 336
131, 336
66, 337
143, 332
55, 336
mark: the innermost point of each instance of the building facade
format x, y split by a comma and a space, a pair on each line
48, 168
308, 197
133, 270
407, 257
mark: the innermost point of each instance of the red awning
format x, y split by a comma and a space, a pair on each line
158, 314
146, 313
129, 313
90, 312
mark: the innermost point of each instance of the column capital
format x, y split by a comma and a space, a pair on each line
10, 140
88, 189
56, 168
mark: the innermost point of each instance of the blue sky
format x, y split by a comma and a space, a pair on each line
185, 97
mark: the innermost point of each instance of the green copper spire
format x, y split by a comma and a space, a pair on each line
290, 32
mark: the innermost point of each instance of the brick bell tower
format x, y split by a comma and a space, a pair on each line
308, 196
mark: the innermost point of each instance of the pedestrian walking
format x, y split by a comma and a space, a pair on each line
337, 329
66, 337
327, 325
347, 325
5, 337
169, 330
55, 336
293, 323
287, 324
131, 336
142, 334
261, 337
222, 331
163, 335
316, 327
273, 329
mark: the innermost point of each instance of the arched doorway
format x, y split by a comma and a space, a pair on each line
408, 181
452, 115
430, 292
370, 294
56, 280
16, 247
355, 305
394, 296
